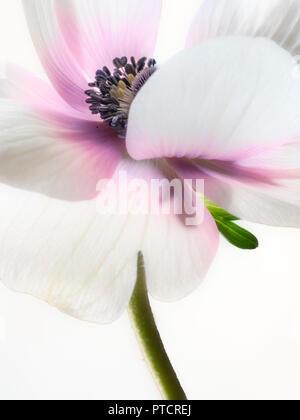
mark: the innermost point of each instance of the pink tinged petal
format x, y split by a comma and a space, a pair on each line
278, 20
26, 88
97, 31
55, 155
59, 64
262, 196
177, 257
67, 254
228, 98
275, 205
57, 151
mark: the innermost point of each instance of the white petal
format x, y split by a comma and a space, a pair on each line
278, 20
63, 158
84, 263
97, 31
228, 98
285, 157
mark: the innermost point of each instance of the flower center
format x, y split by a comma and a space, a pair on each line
112, 93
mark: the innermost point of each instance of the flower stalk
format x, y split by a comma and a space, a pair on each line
150, 341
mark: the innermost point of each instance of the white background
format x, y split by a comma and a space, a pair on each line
237, 337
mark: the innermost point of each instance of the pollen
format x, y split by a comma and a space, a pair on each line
112, 92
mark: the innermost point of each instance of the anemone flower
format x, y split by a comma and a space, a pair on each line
226, 110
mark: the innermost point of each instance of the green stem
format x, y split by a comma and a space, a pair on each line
150, 340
